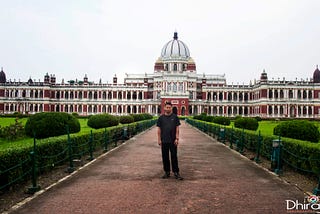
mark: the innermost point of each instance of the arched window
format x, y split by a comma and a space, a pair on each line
246, 97
174, 87
240, 96
270, 110
229, 110
270, 94
276, 94
175, 67
180, 86
169, 86
299, 94
134, 95
209, 96
290, 94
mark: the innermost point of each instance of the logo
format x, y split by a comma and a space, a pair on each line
310, 204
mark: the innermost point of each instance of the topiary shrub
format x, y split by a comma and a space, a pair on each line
75, 114
208, 118
221, 120
49, 124
147, 116
246, 123
137, 117
13, 131
102, 121
258, 118
298, 129
202, 116
126, 119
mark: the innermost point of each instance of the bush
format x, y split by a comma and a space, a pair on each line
221, 120
202, 116
246, 123
49, 124
137, 117
147, 116
298, 129
258, 118
125, 119
102, 121
13, 131
208, 118
75, 114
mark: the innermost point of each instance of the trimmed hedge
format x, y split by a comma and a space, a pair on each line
125, 119
50, 124
246, 123
140, 117
218, 119
298, 129
102, 121
221, 120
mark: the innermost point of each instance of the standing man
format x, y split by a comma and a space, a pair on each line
168, 138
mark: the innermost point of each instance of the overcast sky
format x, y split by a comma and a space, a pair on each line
101, 38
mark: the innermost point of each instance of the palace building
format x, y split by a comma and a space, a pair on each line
174, 79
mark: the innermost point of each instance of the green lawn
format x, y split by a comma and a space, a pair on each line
266, 127
6, 121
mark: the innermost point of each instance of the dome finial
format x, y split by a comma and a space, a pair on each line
175, 35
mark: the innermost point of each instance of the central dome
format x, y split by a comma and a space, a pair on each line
175, 49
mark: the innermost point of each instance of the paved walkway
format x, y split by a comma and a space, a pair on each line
127, 180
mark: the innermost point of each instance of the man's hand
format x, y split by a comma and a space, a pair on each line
159, 142
176, 142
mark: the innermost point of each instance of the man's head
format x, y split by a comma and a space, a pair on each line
167, 107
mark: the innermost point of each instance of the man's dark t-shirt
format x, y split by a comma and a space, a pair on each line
168, 124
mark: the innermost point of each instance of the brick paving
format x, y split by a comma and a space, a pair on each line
128, 180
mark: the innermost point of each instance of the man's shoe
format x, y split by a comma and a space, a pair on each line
177, 176
166, 175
